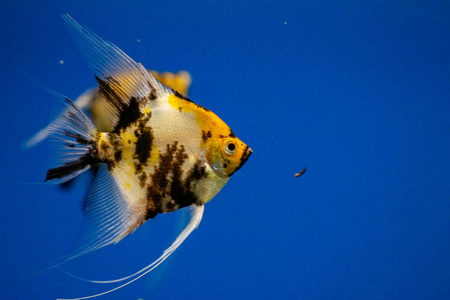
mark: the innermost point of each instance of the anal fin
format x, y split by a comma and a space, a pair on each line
108, 214
196, 217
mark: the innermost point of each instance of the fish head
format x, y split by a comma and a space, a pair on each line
224, 156
228, 154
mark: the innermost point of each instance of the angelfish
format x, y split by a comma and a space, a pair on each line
164, 152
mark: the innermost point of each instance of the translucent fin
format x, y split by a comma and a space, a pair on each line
73, 135
108, 214
37, 138
119, 76
84, 101
196, 217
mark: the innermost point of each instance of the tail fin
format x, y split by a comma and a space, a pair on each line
84, 101
74, 136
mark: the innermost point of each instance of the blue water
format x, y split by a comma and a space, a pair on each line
357, 91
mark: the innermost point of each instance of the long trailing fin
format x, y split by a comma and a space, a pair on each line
120, 78
73, 136
196, 217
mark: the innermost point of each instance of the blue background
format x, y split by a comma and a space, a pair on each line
357, 91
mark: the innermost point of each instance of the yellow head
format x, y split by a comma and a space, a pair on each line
224, 155
228, 154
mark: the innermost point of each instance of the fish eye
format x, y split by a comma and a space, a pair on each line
230, 148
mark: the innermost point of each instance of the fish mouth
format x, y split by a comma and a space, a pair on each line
247, 152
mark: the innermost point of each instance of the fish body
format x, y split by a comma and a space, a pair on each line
160, 152
166, 152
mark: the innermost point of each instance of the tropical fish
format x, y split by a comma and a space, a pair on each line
163, 152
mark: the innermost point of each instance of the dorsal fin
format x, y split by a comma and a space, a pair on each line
120, 78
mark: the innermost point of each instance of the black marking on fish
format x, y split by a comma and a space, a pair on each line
196, 173
156, 191
78, 164
232, 135
115, 149
206, 135
152, 95
201, 107
128, 114
118, 155
78, 137
179, 95
246, 154
127, 109
105, 87
71, 167
167, 191
150, 214
142, 179
104, 146
148, 82
179, 192
143, 144
132, 119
